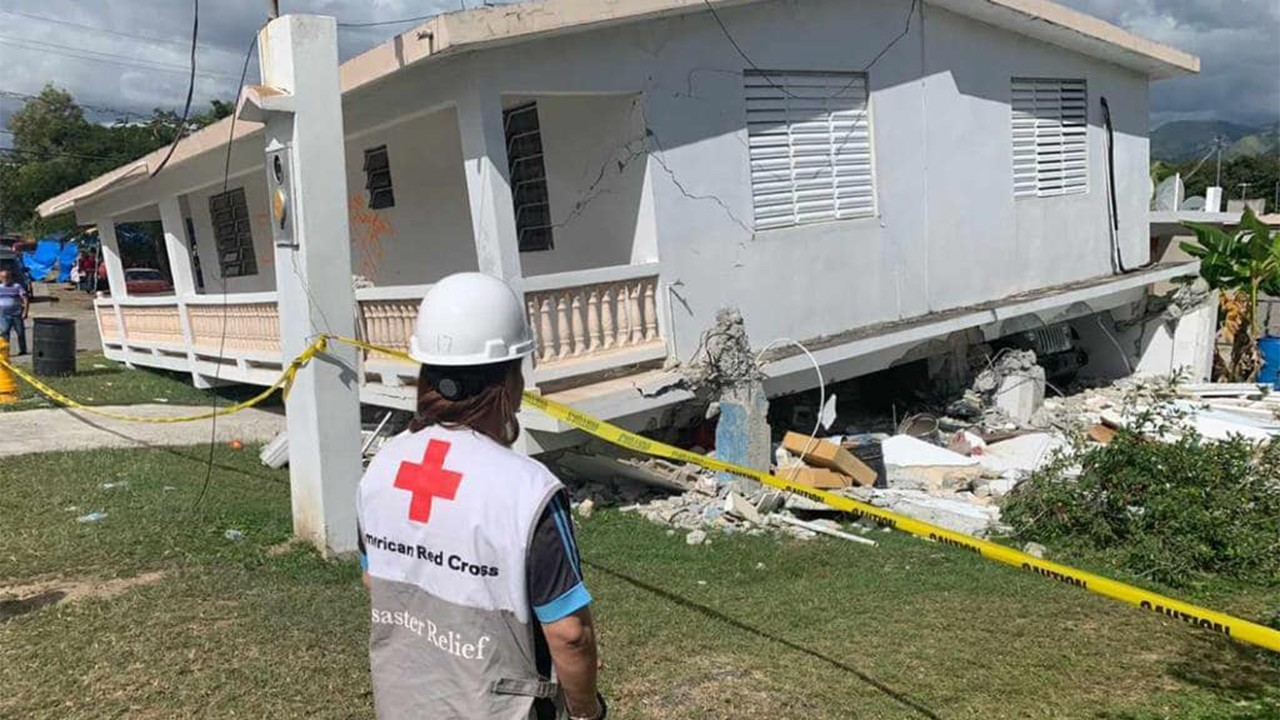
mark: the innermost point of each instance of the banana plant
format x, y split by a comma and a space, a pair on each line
1245, 264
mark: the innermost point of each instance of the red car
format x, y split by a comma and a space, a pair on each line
146, 281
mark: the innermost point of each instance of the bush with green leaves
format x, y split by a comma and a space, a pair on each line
1178, 510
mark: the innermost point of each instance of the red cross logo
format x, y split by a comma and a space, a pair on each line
428, 480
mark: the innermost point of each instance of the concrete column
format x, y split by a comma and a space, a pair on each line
484, 153
493, 220
111, 257
115, 276
181, 272
299, 59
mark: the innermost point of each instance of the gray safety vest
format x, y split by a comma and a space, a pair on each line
447, 517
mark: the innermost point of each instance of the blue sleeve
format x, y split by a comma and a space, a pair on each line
556, 589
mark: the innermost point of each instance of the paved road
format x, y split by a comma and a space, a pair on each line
55, 300
34, 431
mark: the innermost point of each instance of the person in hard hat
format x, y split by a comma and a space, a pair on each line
478, 606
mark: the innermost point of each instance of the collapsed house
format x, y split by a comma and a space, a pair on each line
884, 182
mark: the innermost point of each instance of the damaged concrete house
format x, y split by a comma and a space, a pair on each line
884, 181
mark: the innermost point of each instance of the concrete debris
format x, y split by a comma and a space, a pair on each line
906, 451
1022, 455
825, 528
1035, 550
233, 535
741, 508
586, 508
958, 515
695, 537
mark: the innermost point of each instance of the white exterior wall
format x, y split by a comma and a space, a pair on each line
948, 233
427, 235
600, 214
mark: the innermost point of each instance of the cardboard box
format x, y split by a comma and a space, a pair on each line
817, 478
827, 455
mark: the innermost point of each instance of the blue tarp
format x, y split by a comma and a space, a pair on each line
67, 260
42, 261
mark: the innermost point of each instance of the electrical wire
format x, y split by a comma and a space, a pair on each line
822, 395
222, 340
380, 23
95, 28
100, 57
191, 89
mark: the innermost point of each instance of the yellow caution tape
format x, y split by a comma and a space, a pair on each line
283, 384
1233, 627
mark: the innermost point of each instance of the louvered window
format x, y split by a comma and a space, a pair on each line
528, 177
1050, 137
232, 234
810, 147
377, 173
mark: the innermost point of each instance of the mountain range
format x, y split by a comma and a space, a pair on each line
1183, 140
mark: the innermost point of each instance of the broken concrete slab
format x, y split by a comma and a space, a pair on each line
907, 451
956, 515
1024, 454
740, 507
1021, 394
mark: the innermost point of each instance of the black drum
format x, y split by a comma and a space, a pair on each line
54, 343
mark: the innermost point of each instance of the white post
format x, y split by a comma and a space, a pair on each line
110, 246
111, 257
181, 272
493, 219
299, 59
484, 153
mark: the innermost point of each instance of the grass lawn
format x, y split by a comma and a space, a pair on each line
99, 381
744, 628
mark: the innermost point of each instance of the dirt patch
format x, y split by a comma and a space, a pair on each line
18, 600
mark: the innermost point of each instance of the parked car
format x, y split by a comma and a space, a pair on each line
12, 261
146, 281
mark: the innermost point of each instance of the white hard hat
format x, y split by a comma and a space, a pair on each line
470, 319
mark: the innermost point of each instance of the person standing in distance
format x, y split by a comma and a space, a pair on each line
479, 611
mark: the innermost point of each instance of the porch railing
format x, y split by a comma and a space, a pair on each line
583, 321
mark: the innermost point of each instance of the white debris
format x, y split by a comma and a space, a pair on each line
1035, 550
907, 451
1023, 454
586, 508
695, 537
958, 515
739, 507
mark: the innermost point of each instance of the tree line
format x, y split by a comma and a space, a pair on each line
55, 148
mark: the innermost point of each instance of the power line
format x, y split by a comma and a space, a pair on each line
99, 56
14, 94
191, 89
96, 29
380, 23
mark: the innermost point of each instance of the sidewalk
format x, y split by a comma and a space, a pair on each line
54, 429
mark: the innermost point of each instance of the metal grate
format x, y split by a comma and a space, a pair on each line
233, 234
377, 173
528, 177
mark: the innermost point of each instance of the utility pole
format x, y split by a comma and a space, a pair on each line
300, 105
1218, 142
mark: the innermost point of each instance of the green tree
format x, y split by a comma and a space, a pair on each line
55, 148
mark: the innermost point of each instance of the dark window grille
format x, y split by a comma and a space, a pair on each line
377, 173
528, 177
232, 234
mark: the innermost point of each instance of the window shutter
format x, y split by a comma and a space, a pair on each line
1050, 137
377, 173
810, 147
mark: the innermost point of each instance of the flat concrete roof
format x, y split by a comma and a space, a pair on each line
484, 27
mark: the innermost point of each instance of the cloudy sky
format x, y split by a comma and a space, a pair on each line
130, 56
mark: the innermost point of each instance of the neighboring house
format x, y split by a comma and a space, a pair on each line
965, 185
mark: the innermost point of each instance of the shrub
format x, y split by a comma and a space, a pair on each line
1179, 510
